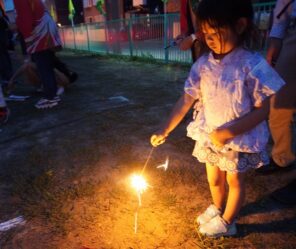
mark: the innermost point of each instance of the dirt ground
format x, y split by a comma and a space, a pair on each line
67, 170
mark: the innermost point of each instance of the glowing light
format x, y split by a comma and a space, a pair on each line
139, 183
165, 165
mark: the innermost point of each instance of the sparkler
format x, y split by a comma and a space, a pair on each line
140, 185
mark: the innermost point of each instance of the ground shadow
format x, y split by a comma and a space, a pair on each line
278, 226
263, 205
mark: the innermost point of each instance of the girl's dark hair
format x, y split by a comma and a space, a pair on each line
226, 13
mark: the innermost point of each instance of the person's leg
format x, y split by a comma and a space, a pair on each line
280, 123
63, 69
45, 66
32, 75
281, 111
61, 79
220, 225
216, 179
2, 100
5, 64
4, 111
236, 196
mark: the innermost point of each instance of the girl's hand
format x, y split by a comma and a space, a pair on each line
158, 139
220, 137
185, 43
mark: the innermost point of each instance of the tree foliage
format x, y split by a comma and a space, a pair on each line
100, 6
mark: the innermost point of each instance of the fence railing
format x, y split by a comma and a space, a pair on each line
145, 37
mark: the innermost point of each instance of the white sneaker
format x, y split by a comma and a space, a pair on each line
207, 215
47, 103
217, 227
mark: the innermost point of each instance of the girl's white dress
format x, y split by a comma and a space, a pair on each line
226, 90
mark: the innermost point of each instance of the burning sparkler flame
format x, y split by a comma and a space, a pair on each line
165, 165
139, 183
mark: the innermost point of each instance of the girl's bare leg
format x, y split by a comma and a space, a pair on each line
217, 179
236, 196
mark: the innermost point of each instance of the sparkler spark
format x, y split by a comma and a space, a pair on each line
165, 165
139, 183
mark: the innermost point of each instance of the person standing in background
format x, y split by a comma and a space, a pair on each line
281, 54
190, 38
5, 62
42, 40
4, 111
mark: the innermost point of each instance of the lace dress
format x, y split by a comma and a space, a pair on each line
226, 90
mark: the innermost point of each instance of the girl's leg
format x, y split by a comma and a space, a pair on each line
216, 179
236, 196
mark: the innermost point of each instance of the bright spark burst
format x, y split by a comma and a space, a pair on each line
165, 165
139, 183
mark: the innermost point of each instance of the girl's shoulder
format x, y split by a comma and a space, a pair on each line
251, 57
201, 60
249, 60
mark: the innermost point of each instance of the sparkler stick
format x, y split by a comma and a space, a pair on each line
136, 221
149, 156
173, 43
140, 186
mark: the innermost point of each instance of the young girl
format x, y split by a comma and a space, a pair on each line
227, 84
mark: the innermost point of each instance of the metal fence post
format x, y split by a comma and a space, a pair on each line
165, 40
64, 41
73, 28
106, 37
87, 37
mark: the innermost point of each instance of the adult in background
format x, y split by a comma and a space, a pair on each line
282, 54
64, 77
5, 62
4, 111
190, 37
42, 40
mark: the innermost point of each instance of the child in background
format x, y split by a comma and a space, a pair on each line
227, 84
4, 111
64, 77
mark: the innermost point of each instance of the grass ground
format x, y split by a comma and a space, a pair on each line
67, 169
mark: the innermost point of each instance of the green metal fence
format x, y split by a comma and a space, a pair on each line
145, 37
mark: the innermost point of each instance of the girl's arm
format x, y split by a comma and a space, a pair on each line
179, 111
220, 136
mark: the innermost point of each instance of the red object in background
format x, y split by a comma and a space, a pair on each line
114, 35
139, 32
184, 17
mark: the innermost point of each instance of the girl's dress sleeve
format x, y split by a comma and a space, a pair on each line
192, 84
263, 81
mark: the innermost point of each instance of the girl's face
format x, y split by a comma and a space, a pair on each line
220, 41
